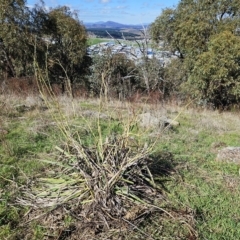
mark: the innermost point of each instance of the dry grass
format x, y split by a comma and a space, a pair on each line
105, 188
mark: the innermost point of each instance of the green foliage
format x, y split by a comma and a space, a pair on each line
55, 39
173, 77
215, 76
15, 45
115, 74
67, 44
162, 28
205, 35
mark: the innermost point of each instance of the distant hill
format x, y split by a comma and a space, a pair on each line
111, 24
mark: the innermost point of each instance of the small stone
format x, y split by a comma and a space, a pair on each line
149, 120
95, 114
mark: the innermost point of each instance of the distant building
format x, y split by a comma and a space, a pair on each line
131, 52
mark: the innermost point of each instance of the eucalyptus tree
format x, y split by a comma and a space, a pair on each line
206, 35
55, 39
66, 40
14, 38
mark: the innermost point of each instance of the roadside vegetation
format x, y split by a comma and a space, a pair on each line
76, 160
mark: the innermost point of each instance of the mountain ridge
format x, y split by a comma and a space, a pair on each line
112, 24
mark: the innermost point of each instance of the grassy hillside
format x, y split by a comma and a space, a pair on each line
197, 198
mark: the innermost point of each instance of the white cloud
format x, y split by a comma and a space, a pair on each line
104, 1
121, 7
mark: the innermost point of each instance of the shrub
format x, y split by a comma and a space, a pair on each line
115, 74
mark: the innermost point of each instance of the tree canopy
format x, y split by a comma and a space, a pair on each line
14, 33
206, 35
67, 43
53, 37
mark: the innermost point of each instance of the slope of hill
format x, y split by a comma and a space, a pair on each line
111, 24
198, 197
116, 30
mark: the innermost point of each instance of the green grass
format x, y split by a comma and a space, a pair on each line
93, 41
28, 139
200, 193
209, 188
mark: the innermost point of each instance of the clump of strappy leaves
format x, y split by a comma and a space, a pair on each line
107, 186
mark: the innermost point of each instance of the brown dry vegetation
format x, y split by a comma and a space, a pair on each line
26, 86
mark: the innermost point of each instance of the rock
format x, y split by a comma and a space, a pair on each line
229, 154
149, 120
94, 114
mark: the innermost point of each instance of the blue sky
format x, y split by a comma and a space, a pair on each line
122, 11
